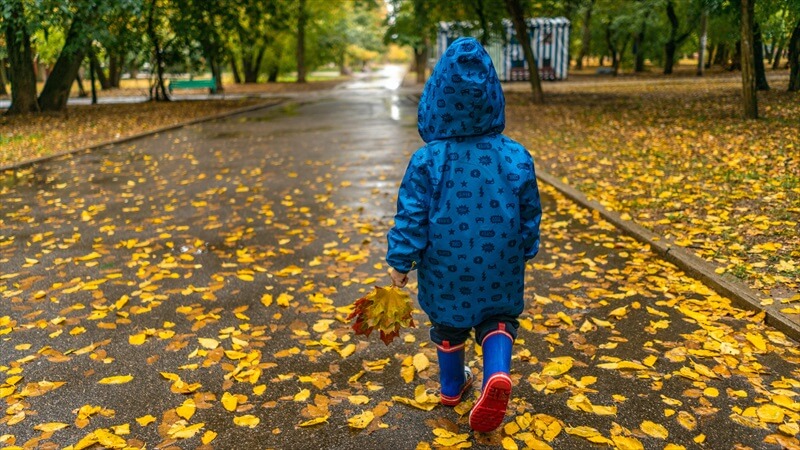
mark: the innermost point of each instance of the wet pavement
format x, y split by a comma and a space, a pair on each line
191, 289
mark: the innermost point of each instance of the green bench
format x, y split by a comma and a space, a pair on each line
210, 84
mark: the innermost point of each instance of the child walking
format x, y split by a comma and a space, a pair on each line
468, 214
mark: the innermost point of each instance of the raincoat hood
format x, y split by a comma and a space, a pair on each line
463, 96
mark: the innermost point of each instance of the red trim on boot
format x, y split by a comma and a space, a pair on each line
501, 329
490, 409
447, 348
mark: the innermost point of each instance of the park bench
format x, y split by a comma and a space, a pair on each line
210, 84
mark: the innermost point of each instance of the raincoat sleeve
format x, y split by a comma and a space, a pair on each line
530, 216
409, 236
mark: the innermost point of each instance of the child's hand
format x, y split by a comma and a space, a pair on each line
398, 279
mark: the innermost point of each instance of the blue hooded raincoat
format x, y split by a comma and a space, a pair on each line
468, 209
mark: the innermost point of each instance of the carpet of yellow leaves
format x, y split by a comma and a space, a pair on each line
26, 137
675, 157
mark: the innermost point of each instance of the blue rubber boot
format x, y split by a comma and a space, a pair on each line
454, 377
490, 409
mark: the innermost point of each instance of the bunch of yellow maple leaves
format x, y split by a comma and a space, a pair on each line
386, 310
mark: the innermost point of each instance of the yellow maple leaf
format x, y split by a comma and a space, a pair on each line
358, 399
50, 427
314, 421
179, 430
627, 443
187, 409
229, 401
770, 413
118, 379
137, 339
247, 420
655, 430
558, 366
145, 420
208, 436
208, 343
302, 395
361, 421
508, 443
420, 362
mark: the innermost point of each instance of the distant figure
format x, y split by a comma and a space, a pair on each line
468, 214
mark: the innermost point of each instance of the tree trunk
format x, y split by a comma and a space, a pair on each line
421, 63
20, 59
701, 51
301, 42
517, 14
56, 90
480, 11
638, 42
612, 49
776, 58
158, 92
672, 44
587, 36
237, 76
749, 93
711, 55
3, 77
115, 61
81, 90
794, 59
669, 60
721, 56
216, 72
92, 72
251, 63
758, 56
736, 59
275, 70
105, 82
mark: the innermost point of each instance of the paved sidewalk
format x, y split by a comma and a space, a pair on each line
192, 287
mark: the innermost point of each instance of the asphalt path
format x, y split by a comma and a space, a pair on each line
200, 279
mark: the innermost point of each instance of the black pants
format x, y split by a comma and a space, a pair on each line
457, 336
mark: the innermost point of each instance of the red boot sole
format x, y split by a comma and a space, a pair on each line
490, 409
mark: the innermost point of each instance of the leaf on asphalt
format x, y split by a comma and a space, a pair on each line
246, 420
654, 430
118, 379
361, 421
314, 421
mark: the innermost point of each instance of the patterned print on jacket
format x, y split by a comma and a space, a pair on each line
468, 209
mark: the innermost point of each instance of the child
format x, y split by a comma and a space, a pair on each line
468, 214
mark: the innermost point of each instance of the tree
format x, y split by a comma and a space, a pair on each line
516, 11
411, 23
586, 39
158, 90
676, 38
201, 21
794, 59
254, 26
3, 77
758, 59
83, 15
122, 38
301, 41
20, 58
701, 50
749, 92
